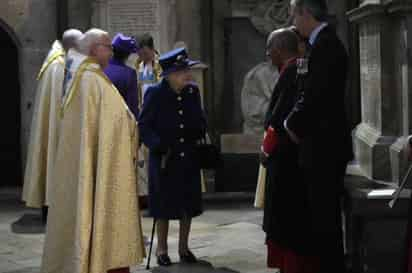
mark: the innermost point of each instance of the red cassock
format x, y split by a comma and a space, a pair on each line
282, 258
279, 257
288, 261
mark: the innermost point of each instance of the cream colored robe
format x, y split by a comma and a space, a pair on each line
260, 188
44, 130
94, 221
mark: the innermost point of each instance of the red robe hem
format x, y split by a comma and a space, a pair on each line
288, 261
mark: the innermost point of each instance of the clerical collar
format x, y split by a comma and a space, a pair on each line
315, 33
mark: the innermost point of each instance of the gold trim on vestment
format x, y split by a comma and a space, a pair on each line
79, 72
49, 61
84, 66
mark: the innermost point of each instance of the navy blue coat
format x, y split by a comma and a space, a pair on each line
125, 80
170, 125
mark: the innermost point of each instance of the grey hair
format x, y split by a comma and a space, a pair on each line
89, 39
71, 38
283, 38
318, 8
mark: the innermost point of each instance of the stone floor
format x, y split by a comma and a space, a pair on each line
226, 238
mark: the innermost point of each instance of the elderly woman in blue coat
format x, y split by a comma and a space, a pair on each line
171, 123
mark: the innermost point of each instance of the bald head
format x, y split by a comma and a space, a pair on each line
96, 43
282, 44
71, 39
283, 39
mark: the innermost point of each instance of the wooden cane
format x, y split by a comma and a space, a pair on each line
397, 194
151, 244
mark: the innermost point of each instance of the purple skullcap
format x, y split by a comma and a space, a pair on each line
125, 43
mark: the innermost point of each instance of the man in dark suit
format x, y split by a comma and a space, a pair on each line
318, 124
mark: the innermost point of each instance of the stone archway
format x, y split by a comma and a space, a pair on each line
10, 146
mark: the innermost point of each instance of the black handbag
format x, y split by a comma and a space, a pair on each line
208, 155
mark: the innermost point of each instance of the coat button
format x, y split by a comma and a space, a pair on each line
179, 98
182, 126
182, 140
182, 154
180, 112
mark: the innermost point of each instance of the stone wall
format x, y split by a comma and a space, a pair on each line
33, 38
78, 14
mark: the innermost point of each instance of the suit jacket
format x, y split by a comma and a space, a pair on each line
319, 118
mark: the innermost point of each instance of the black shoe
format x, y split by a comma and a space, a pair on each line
164, 260
188, 258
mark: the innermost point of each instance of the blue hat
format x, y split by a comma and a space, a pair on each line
175, 60
125, 43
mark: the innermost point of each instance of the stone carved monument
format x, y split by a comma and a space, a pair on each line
259, 82
128, 16
240, 150
256, 92
270, 15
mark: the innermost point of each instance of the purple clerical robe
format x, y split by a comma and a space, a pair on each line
125, 80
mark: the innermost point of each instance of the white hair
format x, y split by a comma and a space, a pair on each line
71, 38
90, 38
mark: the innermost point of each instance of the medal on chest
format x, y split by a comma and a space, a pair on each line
302, 66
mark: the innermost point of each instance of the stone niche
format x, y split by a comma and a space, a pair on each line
248, 82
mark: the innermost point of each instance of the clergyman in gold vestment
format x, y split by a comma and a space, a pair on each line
44, 127
94, 220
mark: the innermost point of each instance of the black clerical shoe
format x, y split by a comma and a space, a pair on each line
164, 260
188, 257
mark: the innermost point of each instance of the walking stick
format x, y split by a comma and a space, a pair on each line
401, 187
151, 244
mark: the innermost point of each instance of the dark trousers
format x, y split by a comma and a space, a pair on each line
325, 192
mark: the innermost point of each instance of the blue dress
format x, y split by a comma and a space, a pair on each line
170, 125
125, 80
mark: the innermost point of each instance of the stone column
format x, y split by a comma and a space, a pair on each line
400, 13
378, 129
